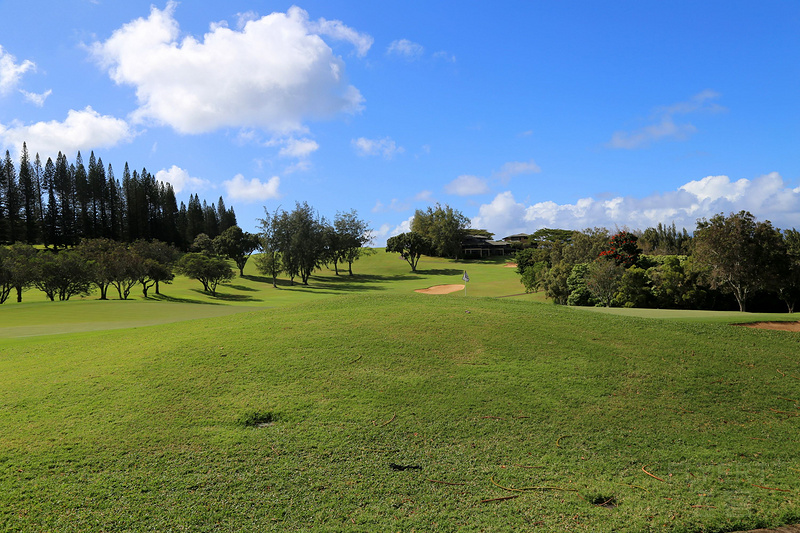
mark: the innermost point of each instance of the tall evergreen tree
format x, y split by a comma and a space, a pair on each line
181, 227
170, 215
37, 176
28, 200
226, 217
210, 220
3, 203
130, 232
51, 233
114, 206
13, 201
65, 189
83, 198
195, 222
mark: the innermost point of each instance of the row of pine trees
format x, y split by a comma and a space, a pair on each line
58, 203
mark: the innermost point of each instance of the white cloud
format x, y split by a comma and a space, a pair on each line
405, 48
467, 185
424, 196
82, 130
298, 148
644, 136
273, 74
403, 227
768, 197
517, 168
336, 30
665, 127
716, 187
385, 147
502, 216
394, 205
252, 191
181, 180
36, 99
11, 72
445, 56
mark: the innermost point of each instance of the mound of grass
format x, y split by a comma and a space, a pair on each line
501, 414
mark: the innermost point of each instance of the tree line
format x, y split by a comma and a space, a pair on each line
58, 203
731, 260
293, 243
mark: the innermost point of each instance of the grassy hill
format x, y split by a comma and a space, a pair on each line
381, 409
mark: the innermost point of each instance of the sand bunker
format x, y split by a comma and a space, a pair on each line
511, 265
441, 289
782, 326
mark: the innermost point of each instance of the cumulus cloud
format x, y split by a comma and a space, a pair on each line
406, 49
664, 125
385, 147
517, 168
86, 129
298, 148
181, 180
467, 185
336, 30
273, 74
768, 197
253, 190
11, 72
36, 99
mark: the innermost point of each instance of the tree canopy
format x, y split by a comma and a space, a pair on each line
411, 246
740, 253
444, 227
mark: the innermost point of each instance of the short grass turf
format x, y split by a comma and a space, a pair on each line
381, 412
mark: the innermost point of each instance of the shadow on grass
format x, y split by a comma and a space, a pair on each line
241, 288
235, 297
492, 260
441, 272
165, 298
341, 283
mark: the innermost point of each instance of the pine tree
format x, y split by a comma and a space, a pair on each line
39, 188
65, 190
3, 203
181, 226
83, 198
211, 220
28, 200
51, 233
195, 223
114, 206
13, 204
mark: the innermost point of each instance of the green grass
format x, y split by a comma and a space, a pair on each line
289, 418
380, 273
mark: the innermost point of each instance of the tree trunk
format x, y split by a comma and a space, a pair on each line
19, 294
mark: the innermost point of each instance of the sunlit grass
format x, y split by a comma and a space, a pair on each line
146, 428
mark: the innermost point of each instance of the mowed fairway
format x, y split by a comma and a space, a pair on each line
384, 410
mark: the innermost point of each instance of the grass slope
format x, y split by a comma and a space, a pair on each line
147, 429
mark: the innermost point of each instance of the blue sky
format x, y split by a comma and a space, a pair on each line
522, 115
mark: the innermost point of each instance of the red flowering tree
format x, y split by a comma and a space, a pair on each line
622, 249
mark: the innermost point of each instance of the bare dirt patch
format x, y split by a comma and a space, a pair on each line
780, 326
441, 289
